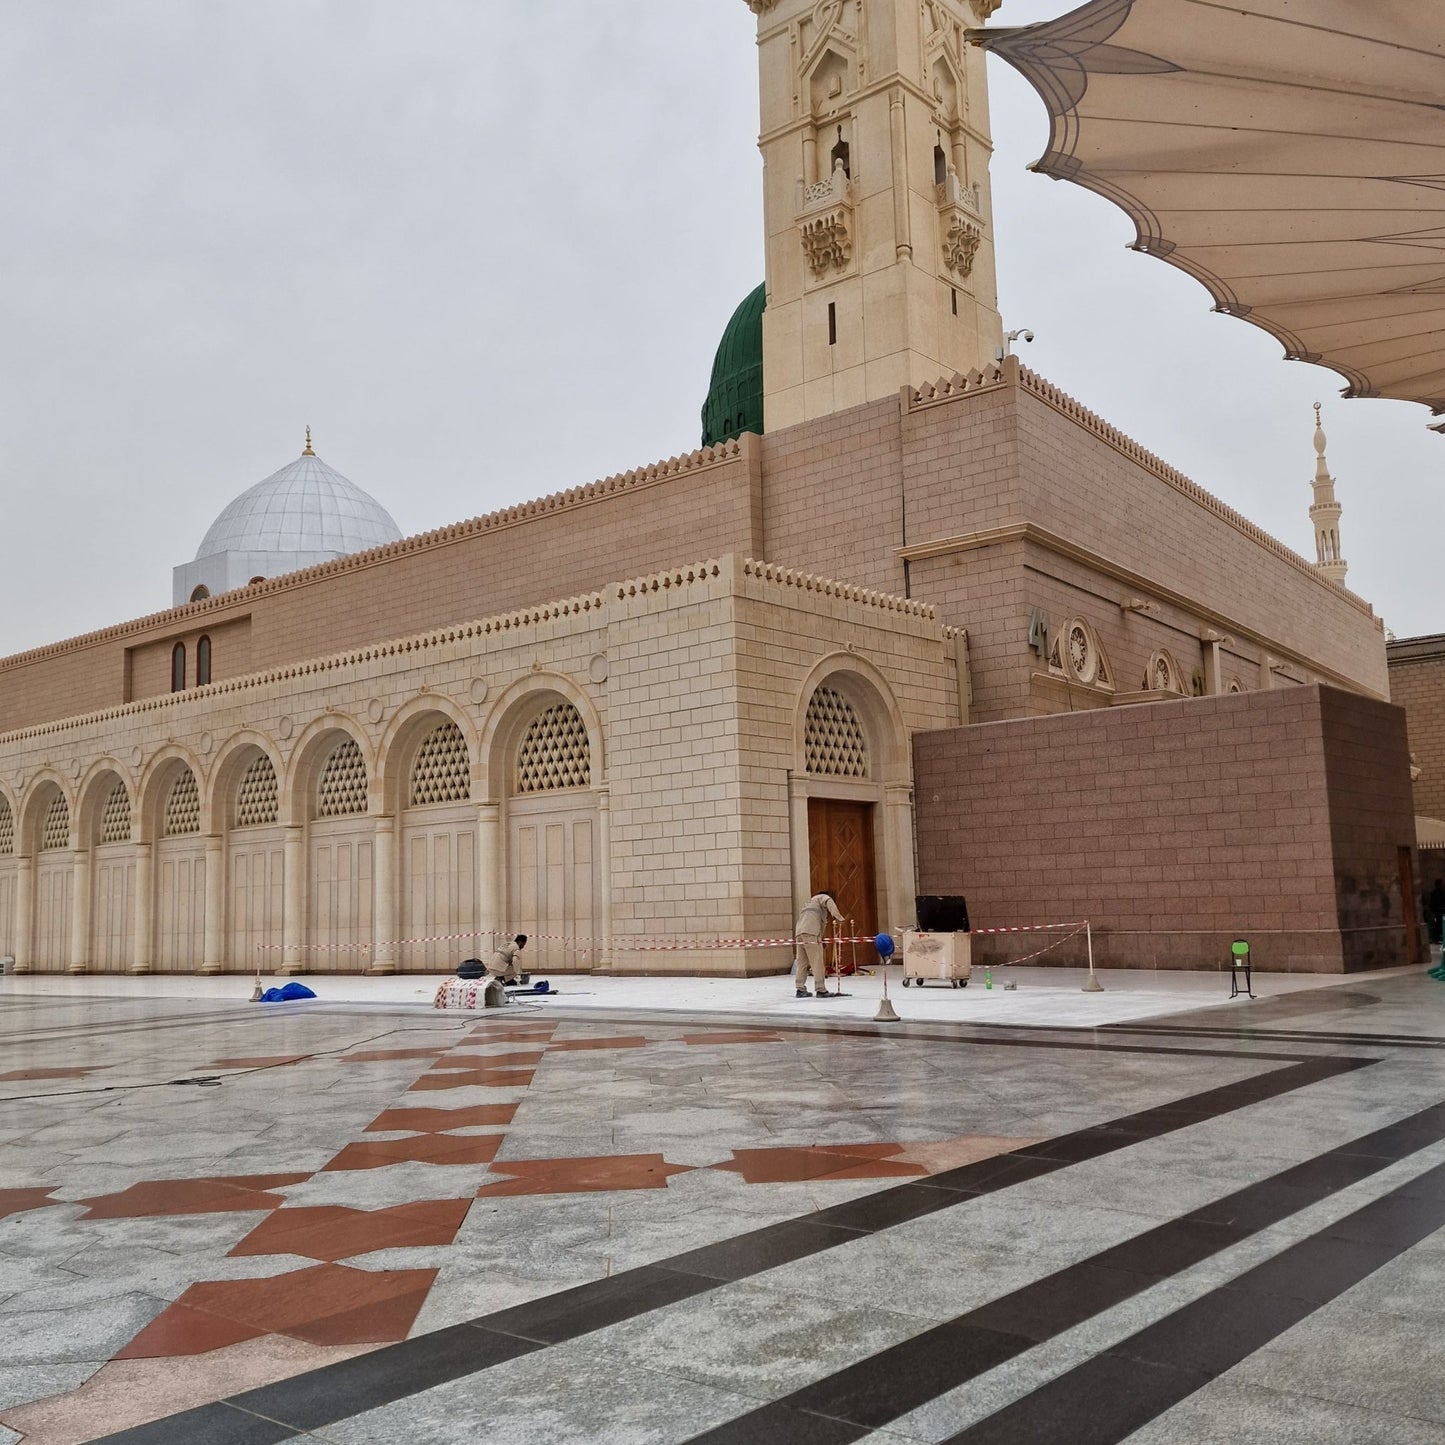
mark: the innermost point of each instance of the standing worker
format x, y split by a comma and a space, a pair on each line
812, 922
503, 964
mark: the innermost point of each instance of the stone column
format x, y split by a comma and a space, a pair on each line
489, 874
384, 895
810, 156
902, 880
898, 135
80, 904
213, 953
802, 862
603, 959
960, 160
293, 923
143, 958
24, 914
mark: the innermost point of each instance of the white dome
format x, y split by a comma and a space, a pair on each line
306, 507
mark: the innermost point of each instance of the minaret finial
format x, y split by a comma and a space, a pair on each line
306, 450
1325, 514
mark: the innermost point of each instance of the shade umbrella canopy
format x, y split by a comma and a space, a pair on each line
1288, 154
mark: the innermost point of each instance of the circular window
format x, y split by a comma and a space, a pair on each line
1082, 654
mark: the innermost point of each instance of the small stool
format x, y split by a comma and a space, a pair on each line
1239, 960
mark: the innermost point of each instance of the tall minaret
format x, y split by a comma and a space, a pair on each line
875, 143
1325, 513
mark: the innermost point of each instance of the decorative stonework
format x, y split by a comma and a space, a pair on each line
1075, 653
828, 241
442, 771
342, 790
55, 830
257, 800
115, 816
961, 239
1163, 674
183, 808
834, 744
7, 829
555, 752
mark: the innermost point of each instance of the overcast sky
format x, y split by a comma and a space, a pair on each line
486, 249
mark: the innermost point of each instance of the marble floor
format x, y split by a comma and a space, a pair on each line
645, 1215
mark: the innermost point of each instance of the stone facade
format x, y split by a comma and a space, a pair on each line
1280, 817
610, 771
1417, 684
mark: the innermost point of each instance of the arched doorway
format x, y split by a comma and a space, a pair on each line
180, 870
852, 809
553, 835
438, 847
255, 859
107, 819
54, 880
342, 849
7, 878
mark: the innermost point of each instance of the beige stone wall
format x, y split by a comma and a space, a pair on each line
688, 682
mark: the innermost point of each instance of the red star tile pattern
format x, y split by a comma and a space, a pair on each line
434, 1121
18, 1201
523, 1058
19, 1076
376, 1056
417, 1149
265, 1061
333, 1232
216, 1195
522, 1034
582, 1176
328, 1304
475, 1078
829, 1161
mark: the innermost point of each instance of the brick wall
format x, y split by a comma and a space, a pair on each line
1417, 684
1175, 827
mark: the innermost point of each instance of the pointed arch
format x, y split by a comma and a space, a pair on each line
34, 805
94, 798
408, 730
515, 710
308, 758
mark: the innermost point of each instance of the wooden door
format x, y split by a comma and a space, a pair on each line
552, 884
841, 861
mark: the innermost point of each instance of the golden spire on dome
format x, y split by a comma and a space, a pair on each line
306, 450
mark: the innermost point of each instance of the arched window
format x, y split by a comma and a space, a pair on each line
257, 796
834, 744
341, 792
178, 667
115, 816
7, 829
203, 662
442, 770
183, 808
940, 166
555, 752
841, 155
55, 827
199, 594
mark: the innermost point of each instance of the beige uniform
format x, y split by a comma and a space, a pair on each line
812, 922
503, 963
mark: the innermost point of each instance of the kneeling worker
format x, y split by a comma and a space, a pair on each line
503, 963
809, 931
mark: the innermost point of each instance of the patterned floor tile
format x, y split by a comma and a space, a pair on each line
264, 1061
418, 1149
330, 1304
520, 1059
582, 1176
433, 1121
213, 1195
832, 1161
374, 1056
332, 1232
477, 1078
756, 1037
631, 1042
17, 1201
18, 1076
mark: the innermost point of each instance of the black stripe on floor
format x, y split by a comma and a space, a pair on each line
872, 1393
334, 1392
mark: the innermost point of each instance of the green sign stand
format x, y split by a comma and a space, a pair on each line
1239, 959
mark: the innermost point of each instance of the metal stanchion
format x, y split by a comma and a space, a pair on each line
1091, 984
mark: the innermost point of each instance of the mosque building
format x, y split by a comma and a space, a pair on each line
910, 620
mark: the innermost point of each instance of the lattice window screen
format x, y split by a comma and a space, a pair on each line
55, 830
257, 799
555, 752
342, 792
442, 771
833, 742
183, 808
115, 816
7, 829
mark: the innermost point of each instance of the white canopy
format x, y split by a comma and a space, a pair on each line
1288, 154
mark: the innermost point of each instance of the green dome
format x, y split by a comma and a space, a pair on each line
735, 399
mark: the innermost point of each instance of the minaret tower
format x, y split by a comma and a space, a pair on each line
1325, 513
875, 142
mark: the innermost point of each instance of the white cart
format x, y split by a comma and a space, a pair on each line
945, 956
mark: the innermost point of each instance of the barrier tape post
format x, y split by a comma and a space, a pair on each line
1091, 984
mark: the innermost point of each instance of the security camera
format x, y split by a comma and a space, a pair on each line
1028, 336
